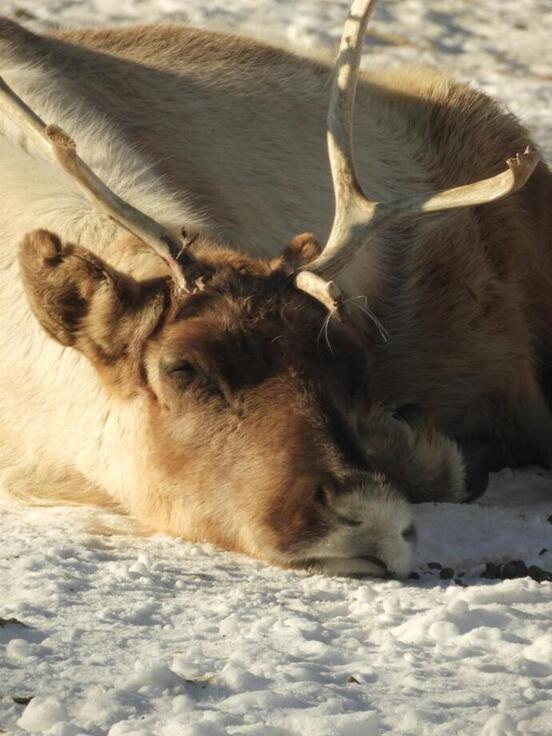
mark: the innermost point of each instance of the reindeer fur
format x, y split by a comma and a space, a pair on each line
226, 135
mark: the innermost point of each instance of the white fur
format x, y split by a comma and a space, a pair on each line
384, 516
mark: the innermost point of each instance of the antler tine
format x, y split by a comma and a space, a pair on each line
55, 144
342, 103
352, 208
356, 216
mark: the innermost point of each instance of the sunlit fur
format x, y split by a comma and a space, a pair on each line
226, 135
250, 431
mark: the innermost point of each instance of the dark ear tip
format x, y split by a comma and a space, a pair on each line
304, 239
42, 244
302, 249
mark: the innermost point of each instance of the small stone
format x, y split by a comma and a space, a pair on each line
491, 571
447, 573
434, 565
414, 576
11, 622
22, 700
461, 583
513, 569
538, 574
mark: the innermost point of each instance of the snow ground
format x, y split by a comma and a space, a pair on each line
132, 636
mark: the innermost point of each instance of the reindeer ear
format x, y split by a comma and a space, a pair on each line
298, 252
84, 303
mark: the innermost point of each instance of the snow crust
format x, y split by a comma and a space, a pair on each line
155, 637
131, 636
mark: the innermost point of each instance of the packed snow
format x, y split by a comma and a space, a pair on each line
103, 631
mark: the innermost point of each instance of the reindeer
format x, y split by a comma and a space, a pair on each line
222, 389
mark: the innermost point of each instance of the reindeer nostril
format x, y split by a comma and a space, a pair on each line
410, 534
321, 495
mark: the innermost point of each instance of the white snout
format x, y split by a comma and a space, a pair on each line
379, 543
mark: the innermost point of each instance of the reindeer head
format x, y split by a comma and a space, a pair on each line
261, 433
259, 430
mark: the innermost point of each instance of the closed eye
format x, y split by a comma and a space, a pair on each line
182, 367
186, 375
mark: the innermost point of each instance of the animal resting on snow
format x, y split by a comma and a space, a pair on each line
241, 397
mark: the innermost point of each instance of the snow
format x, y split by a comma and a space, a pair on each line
503, 46
156, 637
131, 636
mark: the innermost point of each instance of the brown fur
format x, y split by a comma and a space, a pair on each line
237, 373
261, 408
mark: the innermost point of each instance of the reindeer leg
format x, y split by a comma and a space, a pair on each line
522, 447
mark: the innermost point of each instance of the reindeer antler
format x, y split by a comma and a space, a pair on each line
55, 144
356, 216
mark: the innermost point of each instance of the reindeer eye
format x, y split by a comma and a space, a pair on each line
187, 375
182, 367
182, 373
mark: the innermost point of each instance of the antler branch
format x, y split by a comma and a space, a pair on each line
55, 144
356, 216
362, 218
